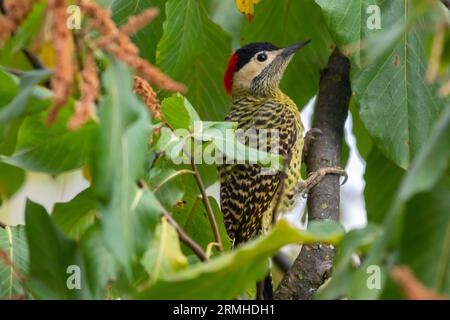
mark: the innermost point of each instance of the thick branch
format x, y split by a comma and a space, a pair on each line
313, 265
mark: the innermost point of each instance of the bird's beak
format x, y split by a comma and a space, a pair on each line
289, 51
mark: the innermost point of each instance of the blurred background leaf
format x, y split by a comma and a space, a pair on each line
76, 216
51, 253
52, 149
11, 179
194, 50
232, 273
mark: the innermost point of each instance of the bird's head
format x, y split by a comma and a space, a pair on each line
257, 68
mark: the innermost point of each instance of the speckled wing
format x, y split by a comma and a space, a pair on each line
246, 192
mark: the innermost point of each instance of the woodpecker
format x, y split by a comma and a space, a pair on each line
249, 197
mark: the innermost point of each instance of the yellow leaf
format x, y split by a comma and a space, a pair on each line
247, 7
164, 255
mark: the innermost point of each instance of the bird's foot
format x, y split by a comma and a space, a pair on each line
310, 136
315, 177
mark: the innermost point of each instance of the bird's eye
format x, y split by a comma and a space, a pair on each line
261, 57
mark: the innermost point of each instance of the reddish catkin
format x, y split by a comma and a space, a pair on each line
413, 288
15, 13
137, 22
63, 76
17, 10
118, 43
7, 27
89, 87
143, 88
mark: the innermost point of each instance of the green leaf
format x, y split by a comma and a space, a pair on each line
8, 136
101, 268
230, 145
426, 170
286, 22
166, 182
179, 113
8, 87
363, 140
396, 105
11, 179
164, 255
224, 14
382, 179
14, 105
425, 242
172, 145
431, 162
147, 38
77, 215
193, 219
355, 241
230, 274
52, 149
18, 106
51, 254
120, 160
14, 264
195, 51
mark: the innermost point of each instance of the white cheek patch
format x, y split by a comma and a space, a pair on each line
243, 78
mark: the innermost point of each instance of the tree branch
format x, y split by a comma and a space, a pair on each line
313, 265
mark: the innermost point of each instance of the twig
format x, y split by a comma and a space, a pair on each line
186, 239
446, 3
313, 265
34, 60
205, 199
209, 211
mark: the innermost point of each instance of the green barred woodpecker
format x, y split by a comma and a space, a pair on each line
250, 197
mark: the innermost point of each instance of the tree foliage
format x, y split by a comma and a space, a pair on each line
144, 228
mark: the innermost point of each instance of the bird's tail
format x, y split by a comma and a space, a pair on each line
268, 288
264, 288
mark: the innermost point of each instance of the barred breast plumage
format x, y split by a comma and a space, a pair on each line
248, 196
